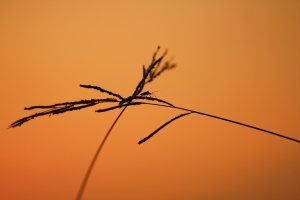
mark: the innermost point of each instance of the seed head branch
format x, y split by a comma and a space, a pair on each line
73, 103
60, 108
167, 66
141, 84
102, 90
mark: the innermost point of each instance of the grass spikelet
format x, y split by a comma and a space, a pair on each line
73, 103
102, 90
167, 66
60, 108
141, 84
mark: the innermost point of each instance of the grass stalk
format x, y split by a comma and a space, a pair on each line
91, 166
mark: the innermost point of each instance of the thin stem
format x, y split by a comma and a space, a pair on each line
88, 173
161, 127
228, 120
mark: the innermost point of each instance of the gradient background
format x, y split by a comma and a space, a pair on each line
236, 59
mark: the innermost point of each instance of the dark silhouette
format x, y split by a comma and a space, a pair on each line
149, 74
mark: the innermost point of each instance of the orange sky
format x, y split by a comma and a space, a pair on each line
236, 59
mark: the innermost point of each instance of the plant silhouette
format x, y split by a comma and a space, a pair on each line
138, 97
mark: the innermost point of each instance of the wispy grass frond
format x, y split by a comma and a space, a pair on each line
102, 90
157, 71
167, 66
60, 108
26, 119
141, 84
73, 103
148, 74
72, 108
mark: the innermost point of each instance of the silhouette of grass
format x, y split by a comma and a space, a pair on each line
149, 74
102, 90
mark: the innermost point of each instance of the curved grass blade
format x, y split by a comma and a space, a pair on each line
165, 124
